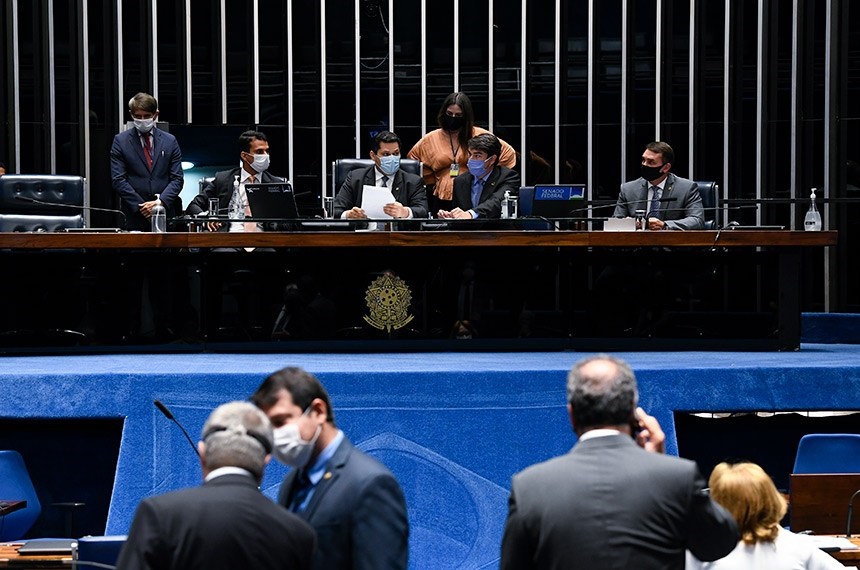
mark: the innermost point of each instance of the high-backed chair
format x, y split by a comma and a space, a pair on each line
710, 193
15, 485
41, 202
343, 166
828, 453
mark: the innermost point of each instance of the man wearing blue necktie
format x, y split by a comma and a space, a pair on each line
478, 193
671, 202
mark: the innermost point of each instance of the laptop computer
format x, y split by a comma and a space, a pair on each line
272, 200
47, 546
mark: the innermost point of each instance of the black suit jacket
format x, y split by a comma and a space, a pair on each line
490, 205
222, 188
407, 188
610, 504
135, 183
359, 513
227, 523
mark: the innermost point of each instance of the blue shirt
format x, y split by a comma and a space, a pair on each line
319, 468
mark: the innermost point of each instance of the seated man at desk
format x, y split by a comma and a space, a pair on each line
410, 197
479, 192
671, 202
253, 168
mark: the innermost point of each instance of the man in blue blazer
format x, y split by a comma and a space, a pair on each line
353, 501
145, 161
670, 202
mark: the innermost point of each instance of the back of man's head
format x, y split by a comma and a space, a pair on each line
302, 386
601, 392
237, 434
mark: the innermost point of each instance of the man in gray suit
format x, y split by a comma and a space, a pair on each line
610, 503
670, 202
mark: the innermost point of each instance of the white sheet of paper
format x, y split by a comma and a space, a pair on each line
373, 198
619, 225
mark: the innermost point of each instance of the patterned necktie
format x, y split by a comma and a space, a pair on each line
147, 150
654, 210
384, 182
301, 488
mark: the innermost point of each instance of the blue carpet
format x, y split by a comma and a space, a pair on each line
453, 427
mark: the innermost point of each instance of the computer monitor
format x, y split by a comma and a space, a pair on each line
559, 201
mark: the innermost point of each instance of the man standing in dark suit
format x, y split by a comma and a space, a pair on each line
410, 197
227, 523
145, 161
609, 503
253, 168
352, 500
670, 202
479, 192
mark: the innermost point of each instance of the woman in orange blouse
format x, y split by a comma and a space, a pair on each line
443, 151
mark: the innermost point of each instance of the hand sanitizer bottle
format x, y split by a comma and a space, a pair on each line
812, 221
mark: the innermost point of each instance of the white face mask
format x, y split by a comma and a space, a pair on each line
261, 163
144, 125
290, 449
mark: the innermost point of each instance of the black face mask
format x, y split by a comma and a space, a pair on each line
650, 173
450, 123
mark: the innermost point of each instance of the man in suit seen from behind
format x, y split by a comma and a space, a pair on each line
613, 501
353, 501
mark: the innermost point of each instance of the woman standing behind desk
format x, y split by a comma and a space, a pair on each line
748, 493
443, 151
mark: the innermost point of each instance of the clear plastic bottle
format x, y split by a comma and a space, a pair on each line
159, 216
812, 221
506, 204
236, 210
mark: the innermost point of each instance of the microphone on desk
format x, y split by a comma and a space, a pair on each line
167, 414
850, 512
74, 206
615, 204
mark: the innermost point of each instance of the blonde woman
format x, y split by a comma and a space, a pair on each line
748, 493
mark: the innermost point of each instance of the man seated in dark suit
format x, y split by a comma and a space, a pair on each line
227, 522
145, 161
610, 503
410, 197
479, 192
670, 202
352, 500
253, 168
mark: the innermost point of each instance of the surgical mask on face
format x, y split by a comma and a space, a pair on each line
290, 449
476, 167
388, 165
261, 162
450, 123
144, 125
650, 173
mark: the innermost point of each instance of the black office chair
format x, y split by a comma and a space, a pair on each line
41, 202
710, 193
343, 166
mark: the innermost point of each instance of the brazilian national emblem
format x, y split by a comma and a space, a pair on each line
388, 298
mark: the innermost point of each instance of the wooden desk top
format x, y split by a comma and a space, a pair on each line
9, 558
575, 239
848, 557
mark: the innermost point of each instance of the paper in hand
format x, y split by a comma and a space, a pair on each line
373, 199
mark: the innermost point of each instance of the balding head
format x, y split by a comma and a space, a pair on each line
601, 392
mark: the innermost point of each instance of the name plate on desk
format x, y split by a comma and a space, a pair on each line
819, 502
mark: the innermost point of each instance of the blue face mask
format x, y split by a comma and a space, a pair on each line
389, 164
476, 167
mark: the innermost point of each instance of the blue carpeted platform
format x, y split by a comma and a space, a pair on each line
453, 427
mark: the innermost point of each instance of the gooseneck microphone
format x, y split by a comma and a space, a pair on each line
850, 512
615, 204
167, 414
73, 206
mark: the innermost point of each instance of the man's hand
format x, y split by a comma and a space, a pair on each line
146, 209
651, 436
356, 213
655, 224
396, 210
455, 214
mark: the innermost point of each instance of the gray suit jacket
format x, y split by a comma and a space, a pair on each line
610, 504
359, 513
685, 212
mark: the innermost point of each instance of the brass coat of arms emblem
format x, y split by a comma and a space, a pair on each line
388, 298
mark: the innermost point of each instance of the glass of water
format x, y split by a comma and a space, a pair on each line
213, 207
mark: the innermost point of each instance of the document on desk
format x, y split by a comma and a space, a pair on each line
832, 543
373, 199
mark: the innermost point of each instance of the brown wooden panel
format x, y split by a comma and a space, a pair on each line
819, 502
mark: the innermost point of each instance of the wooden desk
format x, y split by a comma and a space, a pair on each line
535, 290
848, 557
9, 558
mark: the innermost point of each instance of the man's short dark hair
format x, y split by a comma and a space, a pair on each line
246, 138
384, 137
302, 386
144, 102
663, 149
602, 399
487, 143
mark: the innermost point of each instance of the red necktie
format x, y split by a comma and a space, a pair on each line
147, 150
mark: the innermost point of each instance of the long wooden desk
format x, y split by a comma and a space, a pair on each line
527, 290
9, 558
